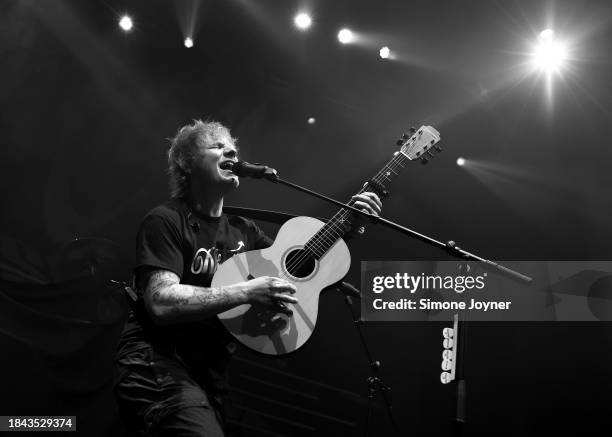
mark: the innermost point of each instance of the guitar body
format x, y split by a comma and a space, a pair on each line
261, 328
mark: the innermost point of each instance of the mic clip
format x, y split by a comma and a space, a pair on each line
347, 288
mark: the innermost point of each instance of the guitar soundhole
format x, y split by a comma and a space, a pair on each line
299, 263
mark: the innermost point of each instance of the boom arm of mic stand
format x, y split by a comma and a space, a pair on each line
450, 246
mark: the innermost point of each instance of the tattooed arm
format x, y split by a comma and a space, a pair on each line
168, 301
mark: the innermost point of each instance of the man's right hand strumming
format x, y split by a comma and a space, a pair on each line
168, 301
269, 291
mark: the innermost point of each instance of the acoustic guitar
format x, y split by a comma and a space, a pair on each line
311, 255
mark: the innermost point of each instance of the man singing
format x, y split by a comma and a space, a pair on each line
173, 353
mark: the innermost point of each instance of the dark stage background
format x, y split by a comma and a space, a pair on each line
85, 110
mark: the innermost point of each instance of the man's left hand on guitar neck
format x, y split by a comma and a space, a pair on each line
368, 202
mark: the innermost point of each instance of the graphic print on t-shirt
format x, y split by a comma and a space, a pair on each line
205, 261
240, 246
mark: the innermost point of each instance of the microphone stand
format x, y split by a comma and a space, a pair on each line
460, 351
450, 246
375, 382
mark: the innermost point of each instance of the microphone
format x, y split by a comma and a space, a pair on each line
257, 171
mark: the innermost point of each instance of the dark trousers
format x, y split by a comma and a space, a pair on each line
156, 396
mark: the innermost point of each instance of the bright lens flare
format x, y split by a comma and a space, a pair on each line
384, 52
188, 42
302, 21
460, 162
345, 36
549, 54
126, 23
546, 35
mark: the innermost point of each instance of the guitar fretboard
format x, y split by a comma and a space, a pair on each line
341, 222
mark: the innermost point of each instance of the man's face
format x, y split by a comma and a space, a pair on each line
211, 161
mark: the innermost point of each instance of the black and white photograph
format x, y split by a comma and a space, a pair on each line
294, 218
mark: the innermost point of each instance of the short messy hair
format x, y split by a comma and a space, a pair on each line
183, 148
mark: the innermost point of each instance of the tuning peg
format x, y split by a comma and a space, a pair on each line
438, 148
424, 160
431, 155
400, 142
405, 136
412, 130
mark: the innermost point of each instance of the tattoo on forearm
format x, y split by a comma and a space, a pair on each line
166, 291
180, 299
158, 281
217, 295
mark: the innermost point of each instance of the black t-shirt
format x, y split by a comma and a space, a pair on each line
172, 237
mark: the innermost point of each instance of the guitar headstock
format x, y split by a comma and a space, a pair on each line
420, 144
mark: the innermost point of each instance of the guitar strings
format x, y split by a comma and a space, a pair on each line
378, 178
323, 237
332, 231
328, 234
392, 165
319, 239
333, 224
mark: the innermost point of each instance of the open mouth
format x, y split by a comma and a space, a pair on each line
226, 165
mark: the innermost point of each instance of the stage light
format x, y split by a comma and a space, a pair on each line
460, 162
188, 42
549, 54
546, 35
384, 52
126, 23
345, 36
302, 21
311, 120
